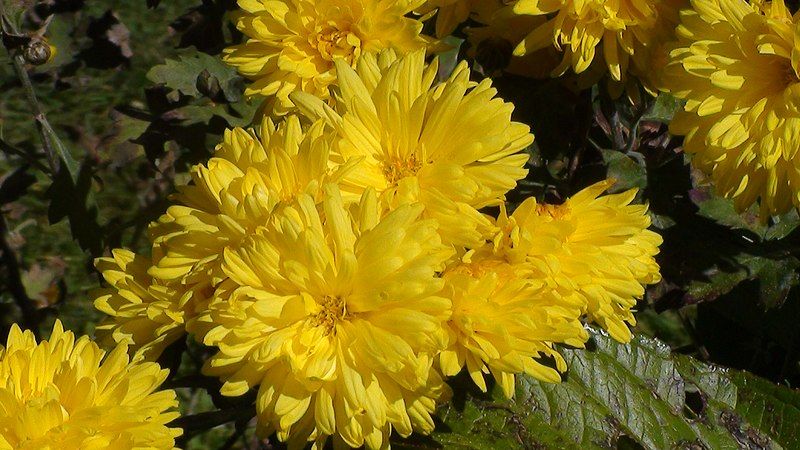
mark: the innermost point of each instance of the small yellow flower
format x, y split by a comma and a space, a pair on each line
291, 44
597, 248
736, 65
142, 313
451, 146
64, 393
334, 311
504, 321
626, 33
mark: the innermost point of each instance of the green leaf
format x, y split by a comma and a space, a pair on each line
624, 396
626, 170
74, 199
783, 225
663, 109
721, 210
15, 185
198, 71
770, 408
238, 114
68, 163
775, 276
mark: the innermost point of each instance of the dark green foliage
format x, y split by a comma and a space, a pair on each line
623, 396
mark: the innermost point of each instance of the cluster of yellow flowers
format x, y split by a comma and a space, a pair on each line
340, 259
731, 60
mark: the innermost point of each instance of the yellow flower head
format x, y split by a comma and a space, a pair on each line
451, 146
504, 321
142, 312
596, 248
335, 312
737, 66
291, 44
625, 32
250, 176
68, 394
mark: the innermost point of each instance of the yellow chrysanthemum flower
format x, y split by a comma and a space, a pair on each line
625, 32
597, 248
504, 321
291, 44
736, 65
450, 146
64, 393
250, 176
335, 312
142, 313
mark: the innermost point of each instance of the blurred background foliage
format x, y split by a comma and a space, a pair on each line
137, 95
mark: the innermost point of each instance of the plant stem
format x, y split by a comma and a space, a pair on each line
46, 132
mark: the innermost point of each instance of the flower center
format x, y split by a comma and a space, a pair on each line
332, 310
554, 212
790, 76
395, 169
333, 42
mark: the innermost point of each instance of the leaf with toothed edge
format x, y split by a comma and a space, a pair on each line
616, 396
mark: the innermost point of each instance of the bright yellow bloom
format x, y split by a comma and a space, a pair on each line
143, 313
625, 32
597, 248
335, 312
737, 66
451, 146
291, 44
62, 394
250, 176
504, 320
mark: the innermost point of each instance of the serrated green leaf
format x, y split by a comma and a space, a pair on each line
774, 410
196, 68
721, 210
623, 395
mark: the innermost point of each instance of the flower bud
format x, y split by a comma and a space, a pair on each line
38, 52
